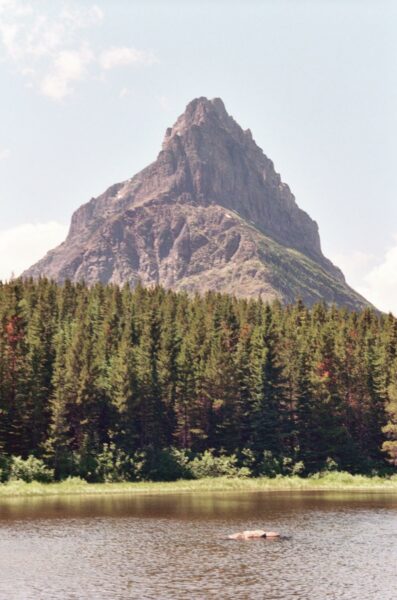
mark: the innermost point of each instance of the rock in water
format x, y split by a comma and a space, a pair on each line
210, 213
272, 534
256, 533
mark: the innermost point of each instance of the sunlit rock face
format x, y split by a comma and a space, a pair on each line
210, 213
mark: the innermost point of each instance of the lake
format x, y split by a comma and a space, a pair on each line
335, 545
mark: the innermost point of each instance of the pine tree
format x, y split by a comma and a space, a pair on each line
14, 384
122, 387
82, 367
151, 408
390, 429
267, 390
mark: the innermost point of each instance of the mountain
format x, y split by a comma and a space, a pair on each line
210, 213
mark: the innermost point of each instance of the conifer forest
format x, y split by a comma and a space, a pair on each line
110, 383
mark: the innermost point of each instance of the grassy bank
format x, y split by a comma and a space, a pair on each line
328, 481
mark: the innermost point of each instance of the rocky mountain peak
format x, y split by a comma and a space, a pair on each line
213, 160
205, 113
210, 212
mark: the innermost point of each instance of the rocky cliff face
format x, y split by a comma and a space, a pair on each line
210, 213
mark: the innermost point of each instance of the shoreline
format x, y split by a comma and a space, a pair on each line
329, 482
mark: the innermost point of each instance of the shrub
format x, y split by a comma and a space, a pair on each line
168, 464
5, 462
331, 465
81, 464
29, 469
113, 465
298, 468
247, 459
149, 464
75, 481
269, 466
208, 465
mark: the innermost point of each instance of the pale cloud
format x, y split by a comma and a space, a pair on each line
69, 67
380, 283
4, 153
354, 265
374, 278
23, 245
17, 7
124, 57
29, 35
82, 17
52, 50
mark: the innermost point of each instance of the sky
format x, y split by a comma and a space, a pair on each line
88, 89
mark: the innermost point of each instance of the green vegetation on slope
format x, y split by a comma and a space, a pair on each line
295, 275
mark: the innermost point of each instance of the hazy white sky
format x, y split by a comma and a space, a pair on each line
88, 89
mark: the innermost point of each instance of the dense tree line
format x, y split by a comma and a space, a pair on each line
92, 376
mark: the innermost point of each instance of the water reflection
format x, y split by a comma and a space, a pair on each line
337, 545
225, 505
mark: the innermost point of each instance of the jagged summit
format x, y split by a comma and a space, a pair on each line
201, 110
228, 168
210, 213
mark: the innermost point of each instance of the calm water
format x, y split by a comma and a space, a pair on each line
172, 547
